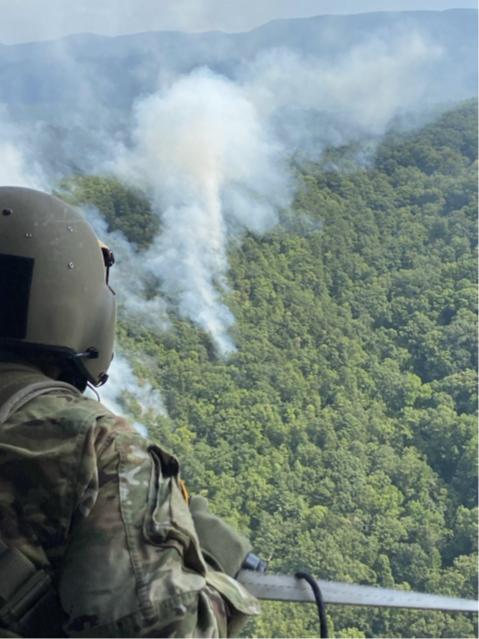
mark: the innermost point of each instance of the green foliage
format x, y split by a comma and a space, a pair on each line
124, 208
341, 435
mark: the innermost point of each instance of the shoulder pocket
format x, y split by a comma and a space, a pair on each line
166, 520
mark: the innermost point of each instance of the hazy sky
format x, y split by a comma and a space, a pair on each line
29, 20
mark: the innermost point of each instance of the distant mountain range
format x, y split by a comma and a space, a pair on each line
113, 71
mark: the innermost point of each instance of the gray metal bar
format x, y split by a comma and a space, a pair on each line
286, 588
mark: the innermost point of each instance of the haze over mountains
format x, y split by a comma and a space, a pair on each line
117, 70
206, 125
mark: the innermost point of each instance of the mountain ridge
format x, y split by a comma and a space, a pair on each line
238, 33
119, 68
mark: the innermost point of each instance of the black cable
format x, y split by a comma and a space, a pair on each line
323, 623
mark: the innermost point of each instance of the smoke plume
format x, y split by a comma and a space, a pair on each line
130, 277
212, 169
125, 393
15, 168
212, 152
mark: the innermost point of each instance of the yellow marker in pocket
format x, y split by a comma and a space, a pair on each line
184, 492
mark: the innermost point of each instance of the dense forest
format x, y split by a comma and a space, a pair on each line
342, 434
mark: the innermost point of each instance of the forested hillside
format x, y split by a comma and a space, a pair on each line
342, 434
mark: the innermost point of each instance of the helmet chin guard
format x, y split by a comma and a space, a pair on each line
54, 293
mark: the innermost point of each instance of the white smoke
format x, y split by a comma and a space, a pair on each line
130, 276
129, 279
368, 85
124, 389
211, 167
12, 168
319, 103
213, 153
15, 169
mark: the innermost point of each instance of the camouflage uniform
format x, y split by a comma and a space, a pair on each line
87, 498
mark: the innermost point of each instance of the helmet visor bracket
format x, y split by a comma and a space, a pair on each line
108, 259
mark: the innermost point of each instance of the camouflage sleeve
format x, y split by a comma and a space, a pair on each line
133, 567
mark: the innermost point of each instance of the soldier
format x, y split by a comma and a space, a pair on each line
96, 535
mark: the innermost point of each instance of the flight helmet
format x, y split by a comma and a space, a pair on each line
55, 299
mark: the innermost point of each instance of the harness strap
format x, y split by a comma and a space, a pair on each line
19, 385
29, 605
